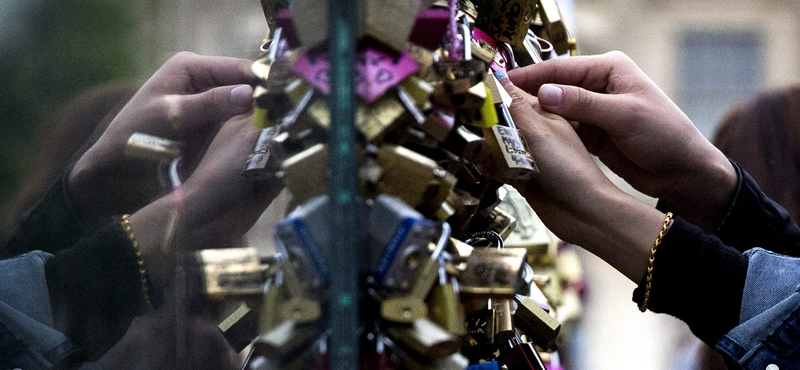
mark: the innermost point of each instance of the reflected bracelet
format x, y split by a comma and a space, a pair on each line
126, 225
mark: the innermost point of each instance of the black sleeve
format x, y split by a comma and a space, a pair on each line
755, 220
95, 289
51, 225
697, 279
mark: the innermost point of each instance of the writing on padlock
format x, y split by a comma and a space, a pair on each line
506, 20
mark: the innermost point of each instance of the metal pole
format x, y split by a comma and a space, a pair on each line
344, 238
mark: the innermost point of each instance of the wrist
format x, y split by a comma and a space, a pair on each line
704, 195
624, 233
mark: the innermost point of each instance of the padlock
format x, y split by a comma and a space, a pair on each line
302, 240
492, 273
446, 310
479, 326
506, 20
439, 122
390, 21
415, 179
271, 9
154, 148
305, 173
498, 221
555, 28
508, 151
518, 355
285, 340
239, 328
429, 28
410, 104
231, 272
535, 322
272, 298
503, 320
259, 165
402, 236
424, 338
484, 116
301, 310
306, 12
466, 144
529, 52
403, 309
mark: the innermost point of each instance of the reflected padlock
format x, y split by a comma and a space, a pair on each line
285, 341
424, 339
231, 272
302, 241
307, 12
305, 173
239, 328
262, 165
391, 21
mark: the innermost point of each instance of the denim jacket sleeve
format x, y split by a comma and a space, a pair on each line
769, 328
27, 337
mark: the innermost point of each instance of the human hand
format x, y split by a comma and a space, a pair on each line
574, 198
215, 206
637, 131
185, 100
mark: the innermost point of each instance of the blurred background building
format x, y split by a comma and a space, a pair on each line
707, 55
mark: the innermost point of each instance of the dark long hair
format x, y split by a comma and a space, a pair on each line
763, 136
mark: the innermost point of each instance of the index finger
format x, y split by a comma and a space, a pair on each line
594, 72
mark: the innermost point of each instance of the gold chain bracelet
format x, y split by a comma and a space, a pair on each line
126, 225
664, 227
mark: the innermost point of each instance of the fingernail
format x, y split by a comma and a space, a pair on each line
242, 95
500, 74
550, 94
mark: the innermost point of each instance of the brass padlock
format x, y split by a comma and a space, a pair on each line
446, 310
273, 297
555, 28
492, 273
506, 20
535, 322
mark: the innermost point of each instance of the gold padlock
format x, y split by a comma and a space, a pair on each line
424, 338
536, 323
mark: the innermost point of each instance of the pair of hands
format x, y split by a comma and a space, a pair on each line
611, 109
191, 99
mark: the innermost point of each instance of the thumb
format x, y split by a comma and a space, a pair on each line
605, 111
211, 107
